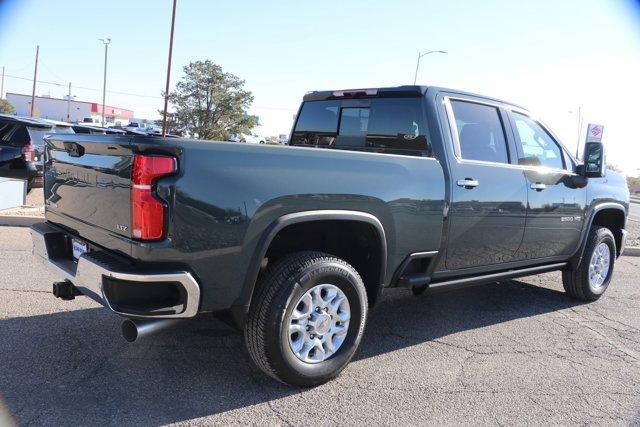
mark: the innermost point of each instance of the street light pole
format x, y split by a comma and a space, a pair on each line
69, 104
35, 76
579, 132
420, 55
106, 43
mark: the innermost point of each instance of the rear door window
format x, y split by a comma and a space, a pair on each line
384, 125
480, 132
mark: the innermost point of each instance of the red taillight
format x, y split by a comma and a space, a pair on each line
29, 153
147, 212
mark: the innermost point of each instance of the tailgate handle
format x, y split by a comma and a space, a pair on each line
74, 149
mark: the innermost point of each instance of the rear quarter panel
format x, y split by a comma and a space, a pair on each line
227, 195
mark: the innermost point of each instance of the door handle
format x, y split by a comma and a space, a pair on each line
467, 183
538, 186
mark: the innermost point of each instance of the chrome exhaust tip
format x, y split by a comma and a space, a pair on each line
132, 330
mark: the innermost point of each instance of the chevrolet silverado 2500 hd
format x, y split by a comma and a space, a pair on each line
418, 187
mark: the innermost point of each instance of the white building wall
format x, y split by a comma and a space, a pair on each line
13, 193
50, 108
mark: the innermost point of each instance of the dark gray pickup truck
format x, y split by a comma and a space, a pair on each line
417, 187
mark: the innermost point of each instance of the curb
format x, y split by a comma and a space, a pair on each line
631, 251
19, 221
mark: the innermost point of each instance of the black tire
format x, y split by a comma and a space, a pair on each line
576, 282
266, 335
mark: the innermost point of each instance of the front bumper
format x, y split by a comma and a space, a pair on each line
98, 274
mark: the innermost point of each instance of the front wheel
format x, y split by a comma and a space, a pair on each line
592, 277
307, 318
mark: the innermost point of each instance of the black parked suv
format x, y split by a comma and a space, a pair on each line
22, 146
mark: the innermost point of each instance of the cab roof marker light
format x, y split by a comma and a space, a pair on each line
355, 92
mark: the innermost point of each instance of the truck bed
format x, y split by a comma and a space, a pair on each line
225, 195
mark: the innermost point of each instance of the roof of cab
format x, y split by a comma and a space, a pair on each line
382, 92
407, 91
27, 121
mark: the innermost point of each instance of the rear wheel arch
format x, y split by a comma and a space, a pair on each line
373, 272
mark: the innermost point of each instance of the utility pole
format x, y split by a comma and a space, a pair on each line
2, 85
69, 104
106, 42
166, 91
420, 55
579, 130
35, 76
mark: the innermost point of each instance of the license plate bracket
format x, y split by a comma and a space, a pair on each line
78, 248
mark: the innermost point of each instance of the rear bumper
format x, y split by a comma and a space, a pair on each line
99, 274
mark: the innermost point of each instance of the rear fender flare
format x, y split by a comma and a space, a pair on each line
296, 218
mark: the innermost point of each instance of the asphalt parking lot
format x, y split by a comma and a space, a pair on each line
517, 352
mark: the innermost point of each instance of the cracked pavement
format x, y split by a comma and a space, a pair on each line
515, 352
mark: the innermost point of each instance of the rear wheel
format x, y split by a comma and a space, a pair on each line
307, 318
591, 278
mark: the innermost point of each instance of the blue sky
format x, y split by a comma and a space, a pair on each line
550, 56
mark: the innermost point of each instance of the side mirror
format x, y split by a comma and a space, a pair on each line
594, 164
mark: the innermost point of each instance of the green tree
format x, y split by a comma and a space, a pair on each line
634, 184
6, 107
613, 167
209, 103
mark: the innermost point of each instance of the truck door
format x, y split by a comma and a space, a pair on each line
556, 199
489, 195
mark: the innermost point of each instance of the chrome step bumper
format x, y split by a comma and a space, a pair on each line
92, 268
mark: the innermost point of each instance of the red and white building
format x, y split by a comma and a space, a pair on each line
66, 110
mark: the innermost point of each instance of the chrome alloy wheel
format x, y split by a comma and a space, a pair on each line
319, 323
599, 265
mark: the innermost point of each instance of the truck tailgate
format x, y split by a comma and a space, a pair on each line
88, 185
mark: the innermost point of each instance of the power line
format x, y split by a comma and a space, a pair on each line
82, 87
31, 79
257, 107
55, 75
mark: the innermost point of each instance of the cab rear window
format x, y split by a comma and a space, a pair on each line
383, 125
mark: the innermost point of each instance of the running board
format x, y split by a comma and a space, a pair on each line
494, 277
